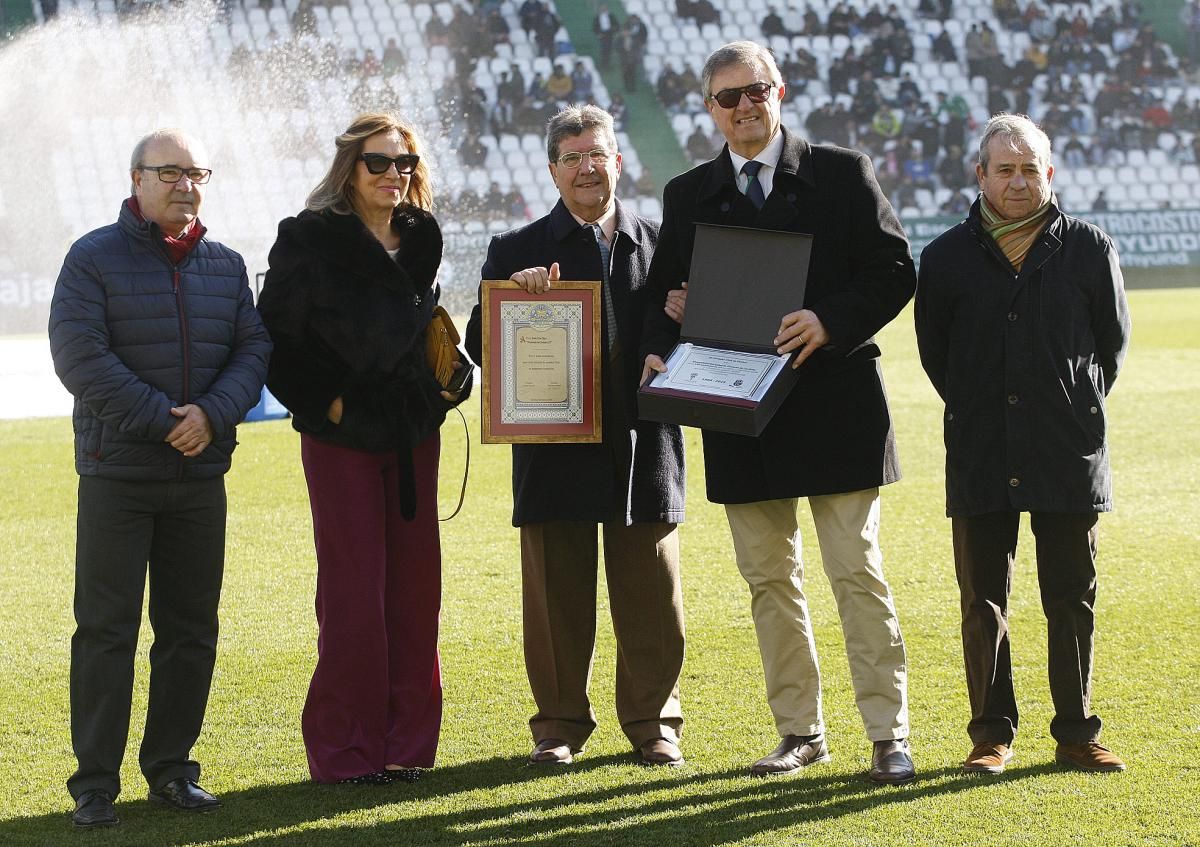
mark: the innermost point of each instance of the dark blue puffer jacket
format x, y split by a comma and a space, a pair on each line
132, 335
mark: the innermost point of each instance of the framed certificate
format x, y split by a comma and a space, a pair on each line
541, 363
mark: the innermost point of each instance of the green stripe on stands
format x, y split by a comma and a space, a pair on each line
646, 121
15, 14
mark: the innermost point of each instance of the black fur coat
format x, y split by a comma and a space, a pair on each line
348, 321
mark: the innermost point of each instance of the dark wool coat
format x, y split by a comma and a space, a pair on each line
1023, 362
133, 334
833, 433
348, 321
636, 474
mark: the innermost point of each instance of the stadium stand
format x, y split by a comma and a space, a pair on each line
907, 81
283, 79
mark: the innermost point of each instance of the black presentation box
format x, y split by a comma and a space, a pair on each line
743, 281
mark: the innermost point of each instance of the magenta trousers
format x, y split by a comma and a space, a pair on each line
376, 695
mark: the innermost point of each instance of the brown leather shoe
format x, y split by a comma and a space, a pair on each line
793, 753
1089, 756
988, 757
659, 752
551, 751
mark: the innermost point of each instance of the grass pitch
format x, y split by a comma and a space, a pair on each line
482, 793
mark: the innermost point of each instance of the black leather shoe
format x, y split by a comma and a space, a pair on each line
185, 795
384, 777
793, 753
890, 762
94, 808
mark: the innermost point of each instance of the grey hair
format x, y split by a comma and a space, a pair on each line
738, 53
1014, 128
165, 134
576, 120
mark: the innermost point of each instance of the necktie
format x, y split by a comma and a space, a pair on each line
618, 428
753, 186
605, 250
610, 313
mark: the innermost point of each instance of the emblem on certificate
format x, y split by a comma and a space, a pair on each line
541, 363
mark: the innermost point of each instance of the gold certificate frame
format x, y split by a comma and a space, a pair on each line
541, 363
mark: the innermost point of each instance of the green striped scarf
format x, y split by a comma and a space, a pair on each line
1014, 237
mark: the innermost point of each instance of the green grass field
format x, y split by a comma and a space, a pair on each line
1147, 675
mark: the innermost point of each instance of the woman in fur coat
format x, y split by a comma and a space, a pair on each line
347, 299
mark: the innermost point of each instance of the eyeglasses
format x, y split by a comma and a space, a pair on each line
377, 163
574, 159
728, 98
174, 173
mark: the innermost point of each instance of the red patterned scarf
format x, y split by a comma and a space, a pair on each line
179, 247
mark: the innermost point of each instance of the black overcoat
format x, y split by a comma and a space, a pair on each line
833, 433
636, 474
1023, 362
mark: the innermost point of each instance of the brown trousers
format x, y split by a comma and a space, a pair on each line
641, 562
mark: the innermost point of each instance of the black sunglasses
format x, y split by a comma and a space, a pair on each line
728, 98
377, 163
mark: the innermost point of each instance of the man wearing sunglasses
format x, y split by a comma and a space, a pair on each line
154, 331
629, 488
831, 441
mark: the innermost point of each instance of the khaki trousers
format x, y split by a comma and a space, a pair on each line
766, 541
558, 566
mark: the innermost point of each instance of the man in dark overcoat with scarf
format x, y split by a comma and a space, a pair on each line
631, 484
1022, 326
831, 441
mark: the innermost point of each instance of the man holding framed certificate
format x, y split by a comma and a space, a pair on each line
831, 439
630, 483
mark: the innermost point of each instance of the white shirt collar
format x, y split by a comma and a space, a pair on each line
607, 221
769, 155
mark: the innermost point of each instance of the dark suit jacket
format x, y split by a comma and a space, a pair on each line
833, 433
636, 474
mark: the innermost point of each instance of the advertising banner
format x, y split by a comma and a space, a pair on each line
1158, 238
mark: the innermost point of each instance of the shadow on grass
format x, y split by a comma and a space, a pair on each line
681, 806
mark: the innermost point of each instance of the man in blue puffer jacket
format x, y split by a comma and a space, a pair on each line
154, 332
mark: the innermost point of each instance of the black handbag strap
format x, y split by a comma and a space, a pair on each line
462, 492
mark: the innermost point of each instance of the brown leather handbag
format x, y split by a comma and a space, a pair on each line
441, 346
